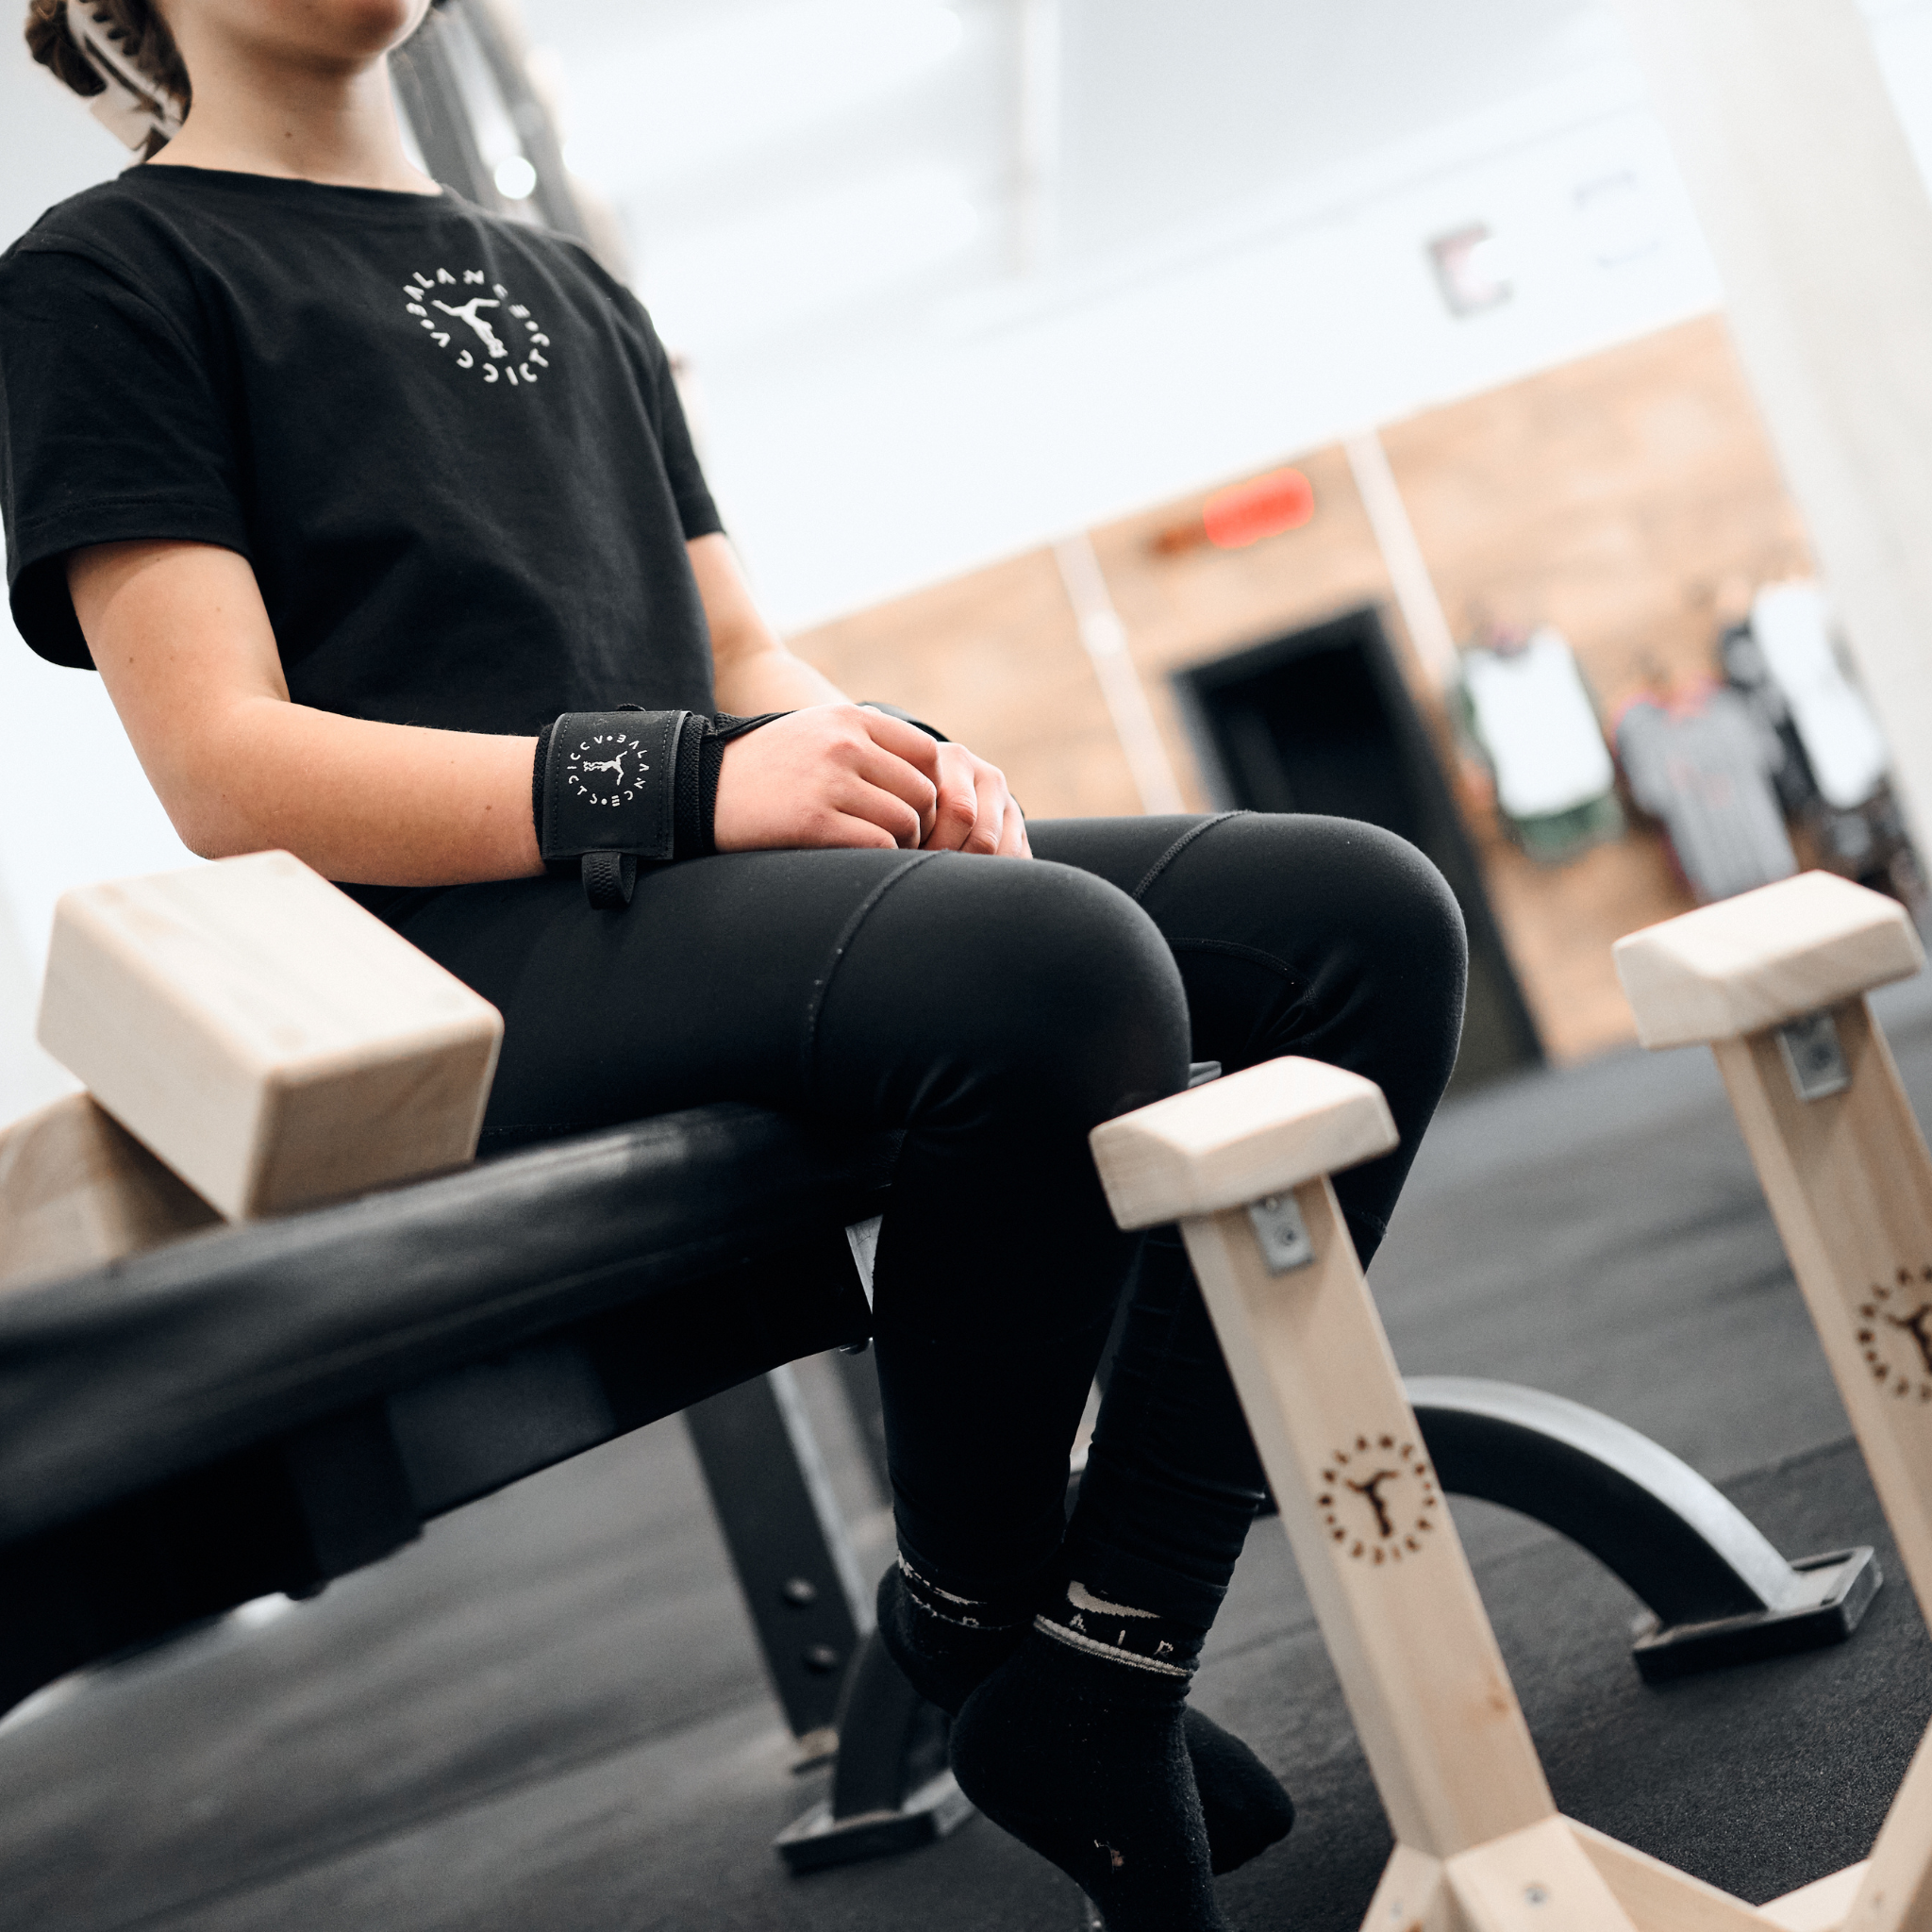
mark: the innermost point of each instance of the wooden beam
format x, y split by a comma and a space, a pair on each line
1762, 959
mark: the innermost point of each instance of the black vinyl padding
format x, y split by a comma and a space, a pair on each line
118, 1380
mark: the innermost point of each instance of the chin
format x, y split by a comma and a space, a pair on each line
345, 29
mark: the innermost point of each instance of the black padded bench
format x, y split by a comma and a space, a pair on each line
262, 1407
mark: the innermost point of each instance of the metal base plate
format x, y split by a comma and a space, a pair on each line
1845, 1582
818, 1841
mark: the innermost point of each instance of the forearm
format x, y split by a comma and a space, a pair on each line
752, 671
771, 679
383, 804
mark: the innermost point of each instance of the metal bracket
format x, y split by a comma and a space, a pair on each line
1283, 1234
891, 1788
1814, 1058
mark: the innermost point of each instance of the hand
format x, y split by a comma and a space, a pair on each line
977, 812
831, 774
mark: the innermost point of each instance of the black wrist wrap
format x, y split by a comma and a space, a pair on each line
904, 717
612, 788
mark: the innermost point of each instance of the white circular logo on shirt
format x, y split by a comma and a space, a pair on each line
476, 317
606, 768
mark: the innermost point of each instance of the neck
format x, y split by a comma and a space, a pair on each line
305, 121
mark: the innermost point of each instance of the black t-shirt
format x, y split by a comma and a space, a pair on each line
448, 443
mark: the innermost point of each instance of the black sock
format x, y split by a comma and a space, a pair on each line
948, 1646
1076, 1745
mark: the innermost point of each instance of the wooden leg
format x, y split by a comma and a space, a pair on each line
1659, 1897
1479, 1844
1895, 1895
1414, 1896
1849, 1181
1820, 1906
1424, 1681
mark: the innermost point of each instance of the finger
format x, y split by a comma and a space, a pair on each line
961, 808
876, 806
997, 807
1013, 835
845, 830
874, 765
920, 749
991, 823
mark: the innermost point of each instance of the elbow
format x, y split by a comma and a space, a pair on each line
211, 827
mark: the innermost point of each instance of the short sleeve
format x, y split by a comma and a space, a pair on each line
111, 430
696, 509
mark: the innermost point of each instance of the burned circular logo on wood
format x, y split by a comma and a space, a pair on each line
1378, 1499
1895, 1334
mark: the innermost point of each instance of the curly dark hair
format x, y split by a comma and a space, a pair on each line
137, 25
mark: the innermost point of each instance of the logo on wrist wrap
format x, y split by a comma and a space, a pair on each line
605, 769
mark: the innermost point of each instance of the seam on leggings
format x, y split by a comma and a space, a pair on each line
807, 1051
1235, 950
1180, 845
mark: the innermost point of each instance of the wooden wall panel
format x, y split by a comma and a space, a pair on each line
1629, 498
993, 659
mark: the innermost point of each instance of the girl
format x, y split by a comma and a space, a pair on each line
372, 510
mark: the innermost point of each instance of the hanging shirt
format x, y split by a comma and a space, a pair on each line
1704, 767
448, 443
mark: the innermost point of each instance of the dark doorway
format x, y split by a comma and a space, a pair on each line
1322, 720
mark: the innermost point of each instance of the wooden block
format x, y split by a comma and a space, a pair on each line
1235, 1140
77, 1190
1762, 959
1821, 1907
274, 1043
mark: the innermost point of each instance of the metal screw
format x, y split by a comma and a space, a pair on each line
821, 1659
798, 1592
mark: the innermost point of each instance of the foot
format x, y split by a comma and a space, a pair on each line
1244, 1806
1085, 1761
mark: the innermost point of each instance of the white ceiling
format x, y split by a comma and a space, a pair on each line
779, 161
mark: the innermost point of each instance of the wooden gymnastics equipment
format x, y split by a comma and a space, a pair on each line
1774, 981
253, 1041
1243, 1165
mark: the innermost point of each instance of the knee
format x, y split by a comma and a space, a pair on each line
1397, 907
1364, 926
1060, 1003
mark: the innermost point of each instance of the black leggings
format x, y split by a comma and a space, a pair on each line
997, 1010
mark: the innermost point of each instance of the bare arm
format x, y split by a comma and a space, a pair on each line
752, 670
184, 645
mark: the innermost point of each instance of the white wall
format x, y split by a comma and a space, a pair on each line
73, 804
